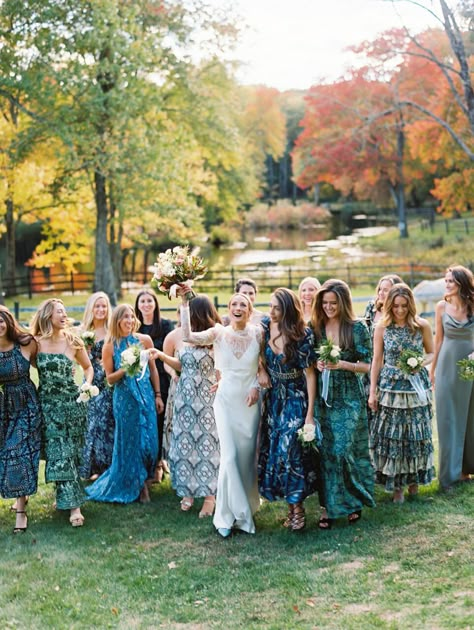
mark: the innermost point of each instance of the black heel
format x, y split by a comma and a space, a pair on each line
325, 522
21, 530
356, 516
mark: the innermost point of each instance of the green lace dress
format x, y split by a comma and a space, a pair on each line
64, 426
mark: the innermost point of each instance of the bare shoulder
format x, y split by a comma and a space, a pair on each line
424, 323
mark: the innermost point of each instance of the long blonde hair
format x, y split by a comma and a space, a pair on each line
42, 327
400, 290
88, 317
113, 333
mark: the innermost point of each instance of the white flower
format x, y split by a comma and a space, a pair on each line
308, 432
128, 357
94, 391
335, 352
83, 397
412, 362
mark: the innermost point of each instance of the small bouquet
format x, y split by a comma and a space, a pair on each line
466, 368
329, 352
410, 362
310, 436
88, 337
175, 267
134, 360
87, 392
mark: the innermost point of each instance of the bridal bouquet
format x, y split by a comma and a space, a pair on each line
410, 362
134, 360
87, 392
174, 267
310, 436
88, 337
466, 369
329, 352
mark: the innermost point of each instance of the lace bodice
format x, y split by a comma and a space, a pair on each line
234, 350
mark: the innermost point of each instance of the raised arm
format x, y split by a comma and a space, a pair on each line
204, 338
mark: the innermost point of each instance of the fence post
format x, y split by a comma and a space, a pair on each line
289, 278
232, 278
216, 302
348, 275
412, 275
71, 280
446, 224
16, 310
28, 280
466, 223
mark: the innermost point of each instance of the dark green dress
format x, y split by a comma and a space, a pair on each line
347, 476
64, 426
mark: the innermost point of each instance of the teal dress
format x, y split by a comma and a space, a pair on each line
64, 425
347, 476
400, 438
136, 437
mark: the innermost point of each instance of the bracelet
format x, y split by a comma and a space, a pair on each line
158, 394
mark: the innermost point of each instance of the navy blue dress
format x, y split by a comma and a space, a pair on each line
285, 469
99, 442
136, 441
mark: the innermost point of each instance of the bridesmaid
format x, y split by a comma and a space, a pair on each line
400, 437
64, 419
152, 324
307, 290
289, 357
194, 446
236, 351
454, 341
20, 418
135, 404
99, 441
373, 310
346, 472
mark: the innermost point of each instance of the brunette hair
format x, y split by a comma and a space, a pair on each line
346, 314
393, 278
118, 313
400, 290
241, 281
156, 323
203, 313
464, 279
291, 325
41, 325
15, 332
88, 317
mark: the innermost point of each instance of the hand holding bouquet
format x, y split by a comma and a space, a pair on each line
175, 267
133, 360
466, 368
87, 391
410, 362
329, 352
310, 436
88, 337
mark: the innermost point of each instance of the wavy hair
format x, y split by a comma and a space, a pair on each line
88, 317
346, 314
465, 280
156, 323
15, 332
203, 313
42, 326
291, 325
393, 278
400, 290
114, 333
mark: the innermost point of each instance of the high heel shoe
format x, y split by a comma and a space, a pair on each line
298, 520
207, 507
13, 506
21, 530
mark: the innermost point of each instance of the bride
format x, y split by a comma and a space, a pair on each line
236, 352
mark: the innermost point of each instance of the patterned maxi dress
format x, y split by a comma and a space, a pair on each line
20, 426
136, 440
347, 476
400, 439
285, 471
64, 425
99, 443
194, 449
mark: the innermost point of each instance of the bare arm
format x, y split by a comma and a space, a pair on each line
428, 343
311, 388
169, 348
377, 363
113, 376
147, 343
171, 361
438, 339
82, 358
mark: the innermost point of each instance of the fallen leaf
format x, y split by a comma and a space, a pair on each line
311, 602
172, 565
114, 611
296, 609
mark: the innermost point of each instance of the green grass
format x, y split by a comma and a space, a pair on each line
152, 566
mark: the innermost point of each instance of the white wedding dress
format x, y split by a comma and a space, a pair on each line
236, 358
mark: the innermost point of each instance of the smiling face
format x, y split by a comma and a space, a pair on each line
307, 292
400, 308
330, 305
3, 328
384, 288
249, 291
239, 310
126, 324
146, 304
452, 288
276, 312
100, 309
59, 319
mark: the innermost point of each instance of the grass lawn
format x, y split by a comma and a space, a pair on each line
152, 566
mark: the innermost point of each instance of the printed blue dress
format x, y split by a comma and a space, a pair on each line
285, 469
136, 440
400, 438
99, 443
20, 426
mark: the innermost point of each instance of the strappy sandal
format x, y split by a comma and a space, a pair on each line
289, 516
354, 517
186, 504
298, 520
77, 520
13, 506
21, 530
207, 507
325, 523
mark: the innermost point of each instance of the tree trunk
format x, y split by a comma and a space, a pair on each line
10, 262
104, 274
400, 185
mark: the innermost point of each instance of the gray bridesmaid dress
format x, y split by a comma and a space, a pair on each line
454, 402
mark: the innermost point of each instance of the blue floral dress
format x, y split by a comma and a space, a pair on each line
285, 471
400, 438
99, 442
136, 438
347, 476
20, 426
